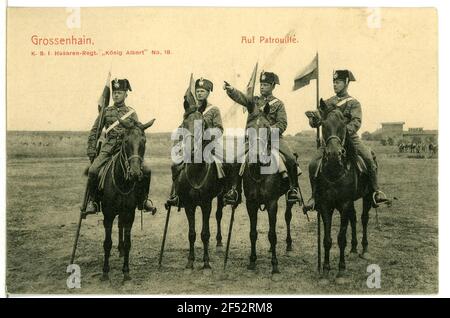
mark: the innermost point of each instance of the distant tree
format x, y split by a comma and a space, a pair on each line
366, 135
383, 142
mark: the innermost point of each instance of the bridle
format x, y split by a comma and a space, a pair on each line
125, 166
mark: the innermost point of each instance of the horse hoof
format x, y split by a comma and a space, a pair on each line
219, 249
207, 271
352, 255
366, 256
340, 280
219, 244
289, 248
126, 277
251, 266
276, 276
104, 277
190, 265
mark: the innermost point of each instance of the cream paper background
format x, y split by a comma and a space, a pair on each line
394, 62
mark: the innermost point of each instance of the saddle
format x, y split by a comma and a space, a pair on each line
104, 171
358, 161
281, 164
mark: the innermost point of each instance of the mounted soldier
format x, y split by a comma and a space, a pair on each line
212, 118
273, 109
115, 119
351, 109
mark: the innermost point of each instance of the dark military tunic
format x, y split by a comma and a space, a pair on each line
115, 135
351, 109
113, 138
273, 109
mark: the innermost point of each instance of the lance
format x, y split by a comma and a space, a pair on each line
103, 102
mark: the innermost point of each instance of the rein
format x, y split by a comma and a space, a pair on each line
124, 161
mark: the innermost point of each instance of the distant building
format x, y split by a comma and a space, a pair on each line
420, 135
395, 131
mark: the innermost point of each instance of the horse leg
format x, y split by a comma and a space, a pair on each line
252, 211
352, 219
342, 238
219, 221
120, 246
107, 243
206, 212
190, 214
367, 204
288, 218
272, 235
327, 215
128, 224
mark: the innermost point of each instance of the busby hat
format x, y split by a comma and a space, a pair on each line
120, 85
204, 83
344, 75
269, 77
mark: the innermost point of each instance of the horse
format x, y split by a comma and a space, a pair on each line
339, 184
119, 195
262, 191
197, 185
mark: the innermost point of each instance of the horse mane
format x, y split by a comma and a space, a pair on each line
335, 114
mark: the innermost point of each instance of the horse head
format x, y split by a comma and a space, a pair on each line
133, 146
334, 133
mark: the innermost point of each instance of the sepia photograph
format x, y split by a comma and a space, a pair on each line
222, 151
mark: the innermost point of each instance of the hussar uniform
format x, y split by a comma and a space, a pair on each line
112, 141
351, 109
274, 111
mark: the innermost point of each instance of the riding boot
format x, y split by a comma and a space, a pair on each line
144, 203
293, 194
378, 196
92, 206
173, 200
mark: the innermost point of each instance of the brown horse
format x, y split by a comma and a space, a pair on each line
338, 185
262, 191
119, 196
197, 185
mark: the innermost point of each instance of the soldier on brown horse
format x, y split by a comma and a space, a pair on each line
118, 196
343, 171
262, 190
197, 182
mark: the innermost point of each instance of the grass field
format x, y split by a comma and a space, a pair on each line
45, 187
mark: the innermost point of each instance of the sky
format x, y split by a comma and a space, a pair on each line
392, 53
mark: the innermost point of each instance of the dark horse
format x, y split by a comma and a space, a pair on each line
197, 185
119, 192
339, 184
263, 191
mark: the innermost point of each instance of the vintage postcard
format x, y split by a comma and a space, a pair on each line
222, 151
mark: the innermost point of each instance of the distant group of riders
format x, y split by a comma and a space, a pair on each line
342, 170
412, 147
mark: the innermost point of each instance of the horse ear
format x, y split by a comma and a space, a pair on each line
149, 124
126, 123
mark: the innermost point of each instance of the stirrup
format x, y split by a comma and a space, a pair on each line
152, 207
231, 201
297, 194
172, 201
384, 199
86, 213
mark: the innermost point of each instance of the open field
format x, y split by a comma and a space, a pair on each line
45, 187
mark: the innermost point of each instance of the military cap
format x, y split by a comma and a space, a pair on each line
204, 83
121, 85
344, 75
269, 77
